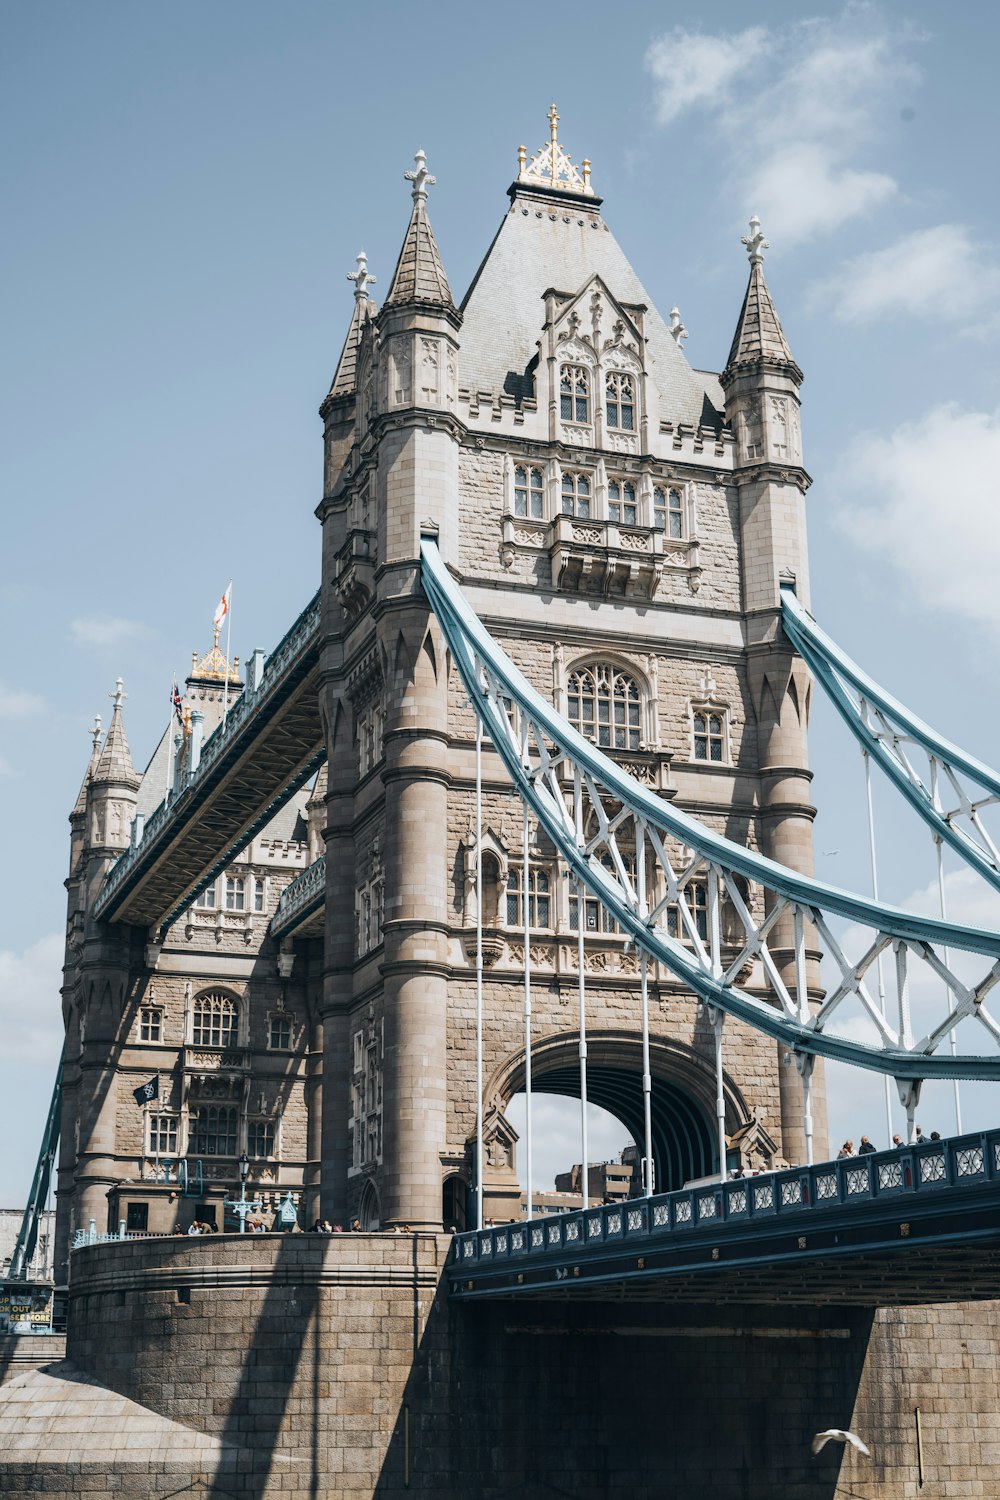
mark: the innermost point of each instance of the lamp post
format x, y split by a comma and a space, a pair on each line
241, 1206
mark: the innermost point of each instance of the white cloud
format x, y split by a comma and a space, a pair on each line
793, 109
104, 630
692, 69
944, 464
937, 273
556, 1136
30, 1010
16, 704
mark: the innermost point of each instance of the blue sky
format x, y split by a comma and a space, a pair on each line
185, 189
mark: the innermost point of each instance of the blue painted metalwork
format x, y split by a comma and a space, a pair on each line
944, 1171
27, 1235
895, 730
540, 750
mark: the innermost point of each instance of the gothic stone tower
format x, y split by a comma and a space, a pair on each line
622, 523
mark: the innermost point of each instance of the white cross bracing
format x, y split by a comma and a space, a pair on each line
738, 930
948, 788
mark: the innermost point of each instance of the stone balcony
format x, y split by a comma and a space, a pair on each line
354, 572
602, 557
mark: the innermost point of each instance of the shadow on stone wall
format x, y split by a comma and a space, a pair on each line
538, 1399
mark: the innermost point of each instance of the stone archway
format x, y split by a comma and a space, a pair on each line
369, 1209
685, 1141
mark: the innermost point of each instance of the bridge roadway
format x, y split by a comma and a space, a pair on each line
269, 745
916, 1225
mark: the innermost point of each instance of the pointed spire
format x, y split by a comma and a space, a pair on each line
345, 379
80, 805
419, 274
115, 762
759, 335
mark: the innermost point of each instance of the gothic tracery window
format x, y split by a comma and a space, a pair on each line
620, 399
709, 741
574, 393
212, 1131
529, 492
604, 704
668, 512
576, 493
623, 508
215, 1021
696, 896
538, 897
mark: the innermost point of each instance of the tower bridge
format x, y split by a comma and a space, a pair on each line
521, 803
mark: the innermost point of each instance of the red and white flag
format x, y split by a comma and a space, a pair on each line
222, 609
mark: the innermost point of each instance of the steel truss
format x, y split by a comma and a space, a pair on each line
719, 916
948, 788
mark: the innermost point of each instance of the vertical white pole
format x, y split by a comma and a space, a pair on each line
584, 1149
170, 749
806, 1070
582, 992
229, 632
479, 973
647, 1081
946, 955
718, 1018
878, 962
805, 1064
526, 913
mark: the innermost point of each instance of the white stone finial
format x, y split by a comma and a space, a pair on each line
360, 277
420, 177
677, 330
119, 693
95, 733
755, 242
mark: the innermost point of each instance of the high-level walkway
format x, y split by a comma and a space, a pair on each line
916, 1225
269, 744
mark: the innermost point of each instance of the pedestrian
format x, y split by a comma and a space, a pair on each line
935, 1135
847, 1149
317, 1228
897, 1140
919, 1137
355, 1226
194, 1227
326, 1227
865, 1146
337, 1229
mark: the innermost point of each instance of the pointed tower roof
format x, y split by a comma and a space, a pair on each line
80, 805
759, 335
115, 762
344, 381
419, 275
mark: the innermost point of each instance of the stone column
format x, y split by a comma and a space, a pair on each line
415, 930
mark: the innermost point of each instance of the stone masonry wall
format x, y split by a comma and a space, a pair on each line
336, 1367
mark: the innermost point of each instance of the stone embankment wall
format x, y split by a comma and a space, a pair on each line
334, 1367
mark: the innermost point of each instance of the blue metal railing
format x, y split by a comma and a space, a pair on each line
930, 1167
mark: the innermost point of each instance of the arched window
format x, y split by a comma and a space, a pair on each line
574, 393
620, 396
538, 897
668, 512
212, 1131
709, 734
603, 703
215, 1022
596, 917
529, 492
622, 504
576, 492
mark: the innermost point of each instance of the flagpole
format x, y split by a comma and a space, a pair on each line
229, 632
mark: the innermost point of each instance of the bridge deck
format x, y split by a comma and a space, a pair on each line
270, 744
921, 1224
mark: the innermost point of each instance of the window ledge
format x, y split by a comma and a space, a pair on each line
602, 557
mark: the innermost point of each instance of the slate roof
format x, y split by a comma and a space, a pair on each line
559, 241
759, 334
115, 763
344, 380
419, 274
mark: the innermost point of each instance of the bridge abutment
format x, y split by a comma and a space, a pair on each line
335, 1366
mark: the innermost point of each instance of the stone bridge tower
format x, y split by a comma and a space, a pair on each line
622, 523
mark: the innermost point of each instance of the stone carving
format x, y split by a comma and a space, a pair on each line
401, 363
429, 369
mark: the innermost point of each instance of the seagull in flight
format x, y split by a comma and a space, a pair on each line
838, 1435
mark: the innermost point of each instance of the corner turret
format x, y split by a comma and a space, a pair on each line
113, 785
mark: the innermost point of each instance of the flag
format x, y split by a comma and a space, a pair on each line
147, 1091
175, 699
223, 607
